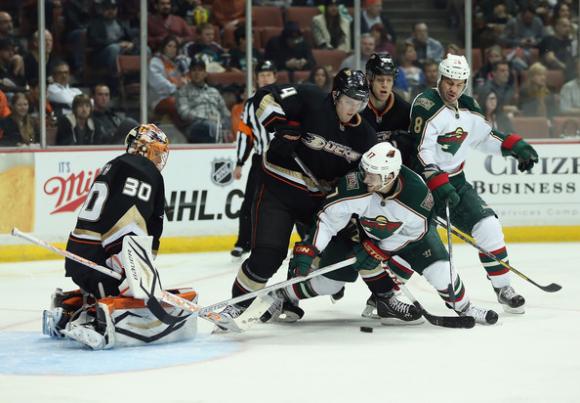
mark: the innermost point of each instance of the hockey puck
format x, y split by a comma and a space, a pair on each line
366, 329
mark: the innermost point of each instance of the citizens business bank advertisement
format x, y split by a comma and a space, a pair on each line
547, 196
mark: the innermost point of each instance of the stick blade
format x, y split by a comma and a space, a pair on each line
551, 287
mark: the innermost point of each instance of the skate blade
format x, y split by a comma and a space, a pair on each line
516, 311
399, 322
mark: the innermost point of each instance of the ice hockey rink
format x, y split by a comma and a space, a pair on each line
323, 358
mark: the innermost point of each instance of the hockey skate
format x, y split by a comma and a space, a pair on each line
238, 252
481, 315
511, 301
392, 311
282, 310
370, 310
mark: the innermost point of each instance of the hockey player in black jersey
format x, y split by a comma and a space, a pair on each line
325, 131
251, 135
386, 111
127, 198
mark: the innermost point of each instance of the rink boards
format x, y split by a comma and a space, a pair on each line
41, 191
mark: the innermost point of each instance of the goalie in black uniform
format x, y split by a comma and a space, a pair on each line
126, 199
327, 132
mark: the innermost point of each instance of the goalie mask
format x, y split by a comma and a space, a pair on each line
149, 141
383, 161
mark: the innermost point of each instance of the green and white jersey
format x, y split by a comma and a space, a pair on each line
394, 221
444, 135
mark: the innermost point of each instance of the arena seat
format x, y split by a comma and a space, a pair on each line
331, 58
226, 78
531, 127
267, 16
302, 15
565, 126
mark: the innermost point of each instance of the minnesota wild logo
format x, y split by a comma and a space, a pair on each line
450, 142
380, 227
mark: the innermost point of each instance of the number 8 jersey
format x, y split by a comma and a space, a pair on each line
127, 198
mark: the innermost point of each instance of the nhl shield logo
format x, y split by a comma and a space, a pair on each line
222, 171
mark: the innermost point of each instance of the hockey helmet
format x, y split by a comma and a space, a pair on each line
266, 65
149, 141
381, 64
384, 160
454, 67
352, 83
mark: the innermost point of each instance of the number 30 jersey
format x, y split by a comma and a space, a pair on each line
127, 198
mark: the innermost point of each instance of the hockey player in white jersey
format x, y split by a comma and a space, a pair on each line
393, 209
447, 125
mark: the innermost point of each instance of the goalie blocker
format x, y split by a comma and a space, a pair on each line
115, 322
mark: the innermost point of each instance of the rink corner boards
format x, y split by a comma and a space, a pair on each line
17, 253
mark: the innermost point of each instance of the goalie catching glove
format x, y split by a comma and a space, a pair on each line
368, 255
438, 183
515, 146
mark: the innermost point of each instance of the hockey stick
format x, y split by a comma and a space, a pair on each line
165, 296
444, 321
450, 289
553, 287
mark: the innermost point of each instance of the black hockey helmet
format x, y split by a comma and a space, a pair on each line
265, 65
351, 83
381, 64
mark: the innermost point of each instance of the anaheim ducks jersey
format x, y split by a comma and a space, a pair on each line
444, 135
127, 197
393, 221
328, 147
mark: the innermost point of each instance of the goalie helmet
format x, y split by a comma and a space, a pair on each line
352, 83
384, 160
149, 141
381, 64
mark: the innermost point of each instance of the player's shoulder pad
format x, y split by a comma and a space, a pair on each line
427, 103
137, 165
469, 103
350, 185
415, 192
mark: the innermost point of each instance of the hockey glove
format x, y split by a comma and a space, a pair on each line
304, 254
438, 183
368, 255
515, 146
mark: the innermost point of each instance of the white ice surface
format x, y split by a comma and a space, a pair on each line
324, 358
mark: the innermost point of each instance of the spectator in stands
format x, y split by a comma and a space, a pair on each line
492, 110
319, 76
12, 77
367, 48
570, 95
556, 50
535, 97
525, 30
34, 104
77, 127
430, 74
505, 91
4, 107
19, 128
60, 93
109, 37
193, 11
425, 46
452, 49
110, 126
331, 30
31, 58
201, 106
382, 42
164, 80
238, 54
372, 14
208, 49
493, 54
561, 10
164, 23
410, 68
289, 51
77, 14
6, 26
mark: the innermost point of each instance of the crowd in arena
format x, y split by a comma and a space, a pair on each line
525, 62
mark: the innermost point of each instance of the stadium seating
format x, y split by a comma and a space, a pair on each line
531, 127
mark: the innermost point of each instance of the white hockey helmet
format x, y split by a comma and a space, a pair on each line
454, 67
149, 141
382, 159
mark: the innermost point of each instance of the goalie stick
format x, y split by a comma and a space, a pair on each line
174, 300
443, 321
553, 287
